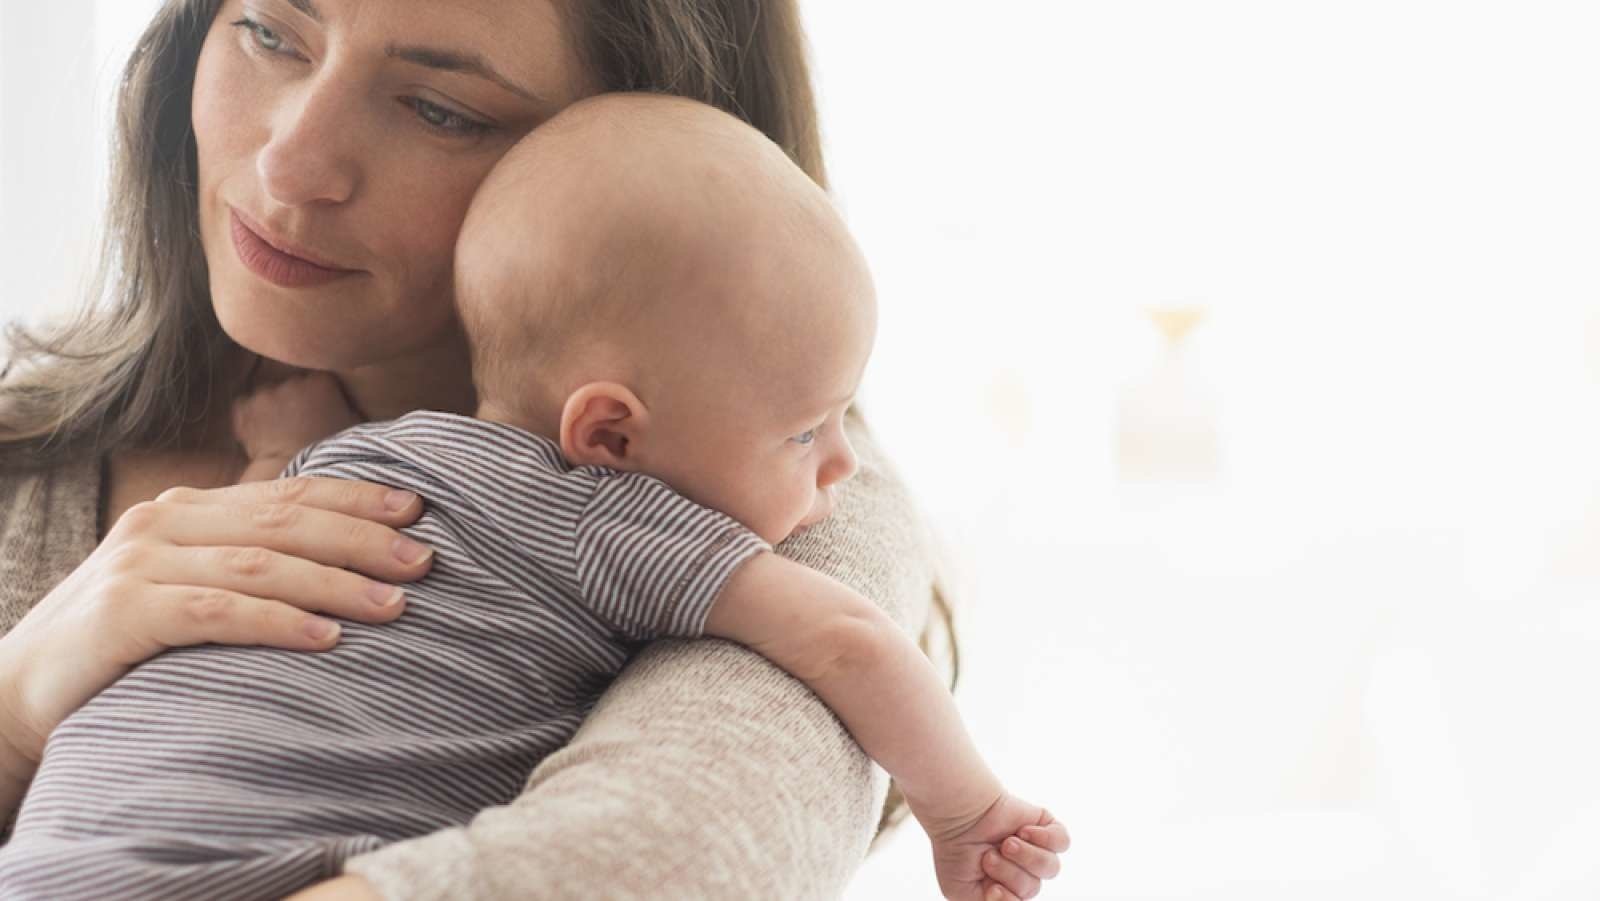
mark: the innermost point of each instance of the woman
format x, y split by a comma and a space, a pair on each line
288, 180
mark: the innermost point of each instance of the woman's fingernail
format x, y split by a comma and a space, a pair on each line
398, 500
408, 551
994, 893
322, 629
382, 595
1012, 846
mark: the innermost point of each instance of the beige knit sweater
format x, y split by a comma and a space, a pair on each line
704, 772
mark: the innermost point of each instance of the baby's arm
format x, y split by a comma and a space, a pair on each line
890, 697
879, 683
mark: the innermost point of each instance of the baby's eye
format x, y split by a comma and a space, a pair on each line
806, 437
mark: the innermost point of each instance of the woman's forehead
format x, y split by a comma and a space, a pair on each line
522, 46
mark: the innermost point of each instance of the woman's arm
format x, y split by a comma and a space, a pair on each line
705, 771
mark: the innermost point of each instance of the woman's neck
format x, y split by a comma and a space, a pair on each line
437, 377
210, 456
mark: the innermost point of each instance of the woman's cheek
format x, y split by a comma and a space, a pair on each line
424, 252
426, 230
205, 109
223, 123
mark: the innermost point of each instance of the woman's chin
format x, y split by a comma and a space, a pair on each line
289, 343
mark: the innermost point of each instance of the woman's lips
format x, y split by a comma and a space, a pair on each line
275, 265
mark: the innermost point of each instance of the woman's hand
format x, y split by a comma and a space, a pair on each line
248, 564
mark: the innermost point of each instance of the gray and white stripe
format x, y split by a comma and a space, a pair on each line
250, 772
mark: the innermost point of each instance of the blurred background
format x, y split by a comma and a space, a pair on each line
1246, 355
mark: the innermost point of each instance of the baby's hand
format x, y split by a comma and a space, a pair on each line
275, 422
1001, 857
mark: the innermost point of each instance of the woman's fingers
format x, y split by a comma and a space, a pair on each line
1036, 860
1021, 883
199, 615
332, 539
263, 573
364, 499
249, 564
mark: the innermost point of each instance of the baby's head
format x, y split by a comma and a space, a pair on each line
655, 285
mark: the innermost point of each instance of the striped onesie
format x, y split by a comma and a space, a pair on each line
217, 771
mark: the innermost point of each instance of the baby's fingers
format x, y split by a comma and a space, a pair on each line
1049, 834
997, 892
1010, 876
1036, 860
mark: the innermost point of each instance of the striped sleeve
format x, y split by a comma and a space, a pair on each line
650, 561
297, 462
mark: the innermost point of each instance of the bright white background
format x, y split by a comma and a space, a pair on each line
1306, 606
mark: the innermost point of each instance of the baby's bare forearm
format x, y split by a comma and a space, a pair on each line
891, 698
878, 682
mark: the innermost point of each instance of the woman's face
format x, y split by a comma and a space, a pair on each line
340, 142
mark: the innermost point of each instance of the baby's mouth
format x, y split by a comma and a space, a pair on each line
821, 507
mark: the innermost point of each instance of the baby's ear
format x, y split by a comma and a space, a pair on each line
599, 425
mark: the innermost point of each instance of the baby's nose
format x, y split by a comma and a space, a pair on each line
841, 467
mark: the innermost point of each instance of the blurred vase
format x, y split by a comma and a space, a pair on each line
1166, 421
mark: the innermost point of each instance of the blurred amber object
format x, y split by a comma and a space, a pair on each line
1175, 322
1166, 420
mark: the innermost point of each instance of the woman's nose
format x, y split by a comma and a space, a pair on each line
307, 160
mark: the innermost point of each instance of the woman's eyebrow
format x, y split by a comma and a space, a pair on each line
434, 58
456, 61
309, 8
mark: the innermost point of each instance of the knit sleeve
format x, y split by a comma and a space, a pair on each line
49, 522
650, 561
705, 770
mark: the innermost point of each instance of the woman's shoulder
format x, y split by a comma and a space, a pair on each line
49, 522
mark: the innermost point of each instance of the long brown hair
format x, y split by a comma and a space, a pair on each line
139, 365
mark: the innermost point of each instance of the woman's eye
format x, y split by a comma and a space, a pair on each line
445, 120
261, 35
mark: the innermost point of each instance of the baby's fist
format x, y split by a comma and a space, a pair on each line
1003, 856
275, 422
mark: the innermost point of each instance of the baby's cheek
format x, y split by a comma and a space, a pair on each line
772, 516
796, 506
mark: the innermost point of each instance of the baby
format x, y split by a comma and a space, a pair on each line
667, 320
